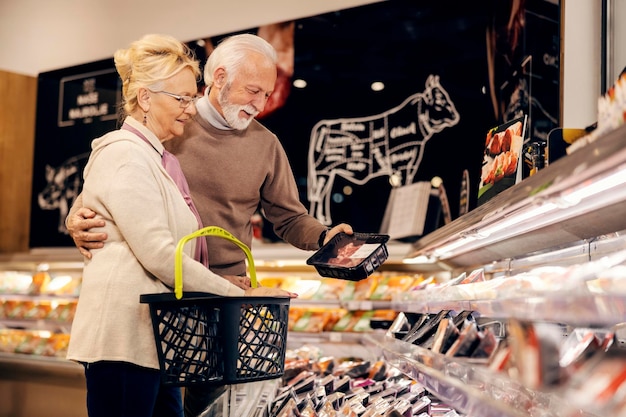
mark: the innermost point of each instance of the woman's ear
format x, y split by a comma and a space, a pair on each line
143, 99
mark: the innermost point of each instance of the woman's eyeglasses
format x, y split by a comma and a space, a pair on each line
185, 101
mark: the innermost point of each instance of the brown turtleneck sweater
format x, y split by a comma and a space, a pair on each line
229, 173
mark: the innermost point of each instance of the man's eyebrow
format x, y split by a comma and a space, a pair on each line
256, 87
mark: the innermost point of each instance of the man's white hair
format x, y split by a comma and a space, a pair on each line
232, 52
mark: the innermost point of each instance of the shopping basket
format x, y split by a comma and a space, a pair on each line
205, 339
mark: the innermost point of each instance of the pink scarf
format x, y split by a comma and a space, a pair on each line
172, 166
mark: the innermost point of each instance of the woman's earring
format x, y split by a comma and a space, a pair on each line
145, 117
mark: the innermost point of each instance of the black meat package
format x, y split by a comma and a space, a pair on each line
361, 370
288, 408
407, 323
496, 326
295, 367
428, 329
328, 383
445, 336
354, 406
466, 342
299, 378
378, 371
536, 352
400, 409
354, 367
601, 382
352, 257
305, 385
324, 366
332, 402
281, 401
464, 318
422, 407
342, 384
487, 345
582, 344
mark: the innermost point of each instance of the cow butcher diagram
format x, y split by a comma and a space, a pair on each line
363, 148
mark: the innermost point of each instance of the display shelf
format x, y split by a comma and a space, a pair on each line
512, 233
577, 235
39, 297
36, 324
576, 310
470, 387
351, 305
62, 259
562, 287
337, 344
577, 198
269, 258
41, 369
325, 337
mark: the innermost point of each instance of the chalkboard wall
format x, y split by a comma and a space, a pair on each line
446, 66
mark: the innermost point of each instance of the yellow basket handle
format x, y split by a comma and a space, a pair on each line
208, 231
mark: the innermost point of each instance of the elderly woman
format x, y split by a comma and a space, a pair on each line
139, 190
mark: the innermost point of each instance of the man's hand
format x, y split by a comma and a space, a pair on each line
242, 282
342, 227
78, 226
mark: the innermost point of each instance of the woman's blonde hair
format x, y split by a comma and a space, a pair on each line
148, 62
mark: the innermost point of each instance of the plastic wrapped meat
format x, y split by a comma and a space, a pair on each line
344, 256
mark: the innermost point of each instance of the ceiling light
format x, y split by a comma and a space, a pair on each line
299, 83
377, 86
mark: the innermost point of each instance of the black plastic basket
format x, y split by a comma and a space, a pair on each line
204, 339
371, 253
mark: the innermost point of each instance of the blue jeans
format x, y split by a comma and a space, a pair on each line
120, 389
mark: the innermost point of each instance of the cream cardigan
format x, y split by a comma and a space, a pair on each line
145, 216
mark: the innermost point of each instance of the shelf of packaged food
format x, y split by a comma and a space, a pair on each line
37, 312
469, 386
325, 337
337, 344
350, 305
66, 259
561, 286
36, 324
39, 297
577, 310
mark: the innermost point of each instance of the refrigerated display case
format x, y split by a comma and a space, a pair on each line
554, 248
570, 213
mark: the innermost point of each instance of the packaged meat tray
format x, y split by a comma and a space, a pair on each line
352, 257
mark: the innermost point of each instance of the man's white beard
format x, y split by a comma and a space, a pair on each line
231, 111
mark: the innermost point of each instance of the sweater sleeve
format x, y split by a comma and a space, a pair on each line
138, 206
282, 206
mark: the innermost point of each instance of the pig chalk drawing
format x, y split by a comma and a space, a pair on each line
63, 186
391, 143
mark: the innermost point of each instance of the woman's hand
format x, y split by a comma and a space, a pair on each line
269, 292
242, 282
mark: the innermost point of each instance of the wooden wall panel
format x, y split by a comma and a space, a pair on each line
18, 100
